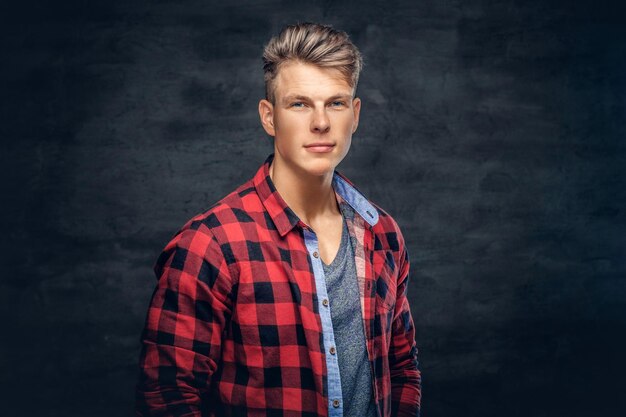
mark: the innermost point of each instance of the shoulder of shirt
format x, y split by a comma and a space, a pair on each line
233, 207
386, 228
387, 224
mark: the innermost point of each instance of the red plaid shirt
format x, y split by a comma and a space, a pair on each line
234, 327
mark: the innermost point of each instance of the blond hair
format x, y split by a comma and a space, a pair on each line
315, 44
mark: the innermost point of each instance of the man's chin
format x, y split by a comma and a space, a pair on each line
320, 167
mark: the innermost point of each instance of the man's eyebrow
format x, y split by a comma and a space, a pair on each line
292, 97
341, 96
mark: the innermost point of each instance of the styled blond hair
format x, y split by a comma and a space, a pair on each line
315, 44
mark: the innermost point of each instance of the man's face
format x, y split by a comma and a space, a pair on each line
312, 119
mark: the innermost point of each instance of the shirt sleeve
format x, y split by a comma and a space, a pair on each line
405, 376
181, 341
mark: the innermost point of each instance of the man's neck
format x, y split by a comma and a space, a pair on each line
312, 198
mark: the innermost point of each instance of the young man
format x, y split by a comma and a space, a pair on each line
288, 296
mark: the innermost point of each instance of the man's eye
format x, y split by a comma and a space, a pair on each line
338, 103
297, 104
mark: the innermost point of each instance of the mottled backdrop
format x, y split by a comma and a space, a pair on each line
492, 130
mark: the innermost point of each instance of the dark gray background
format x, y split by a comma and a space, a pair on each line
493, 131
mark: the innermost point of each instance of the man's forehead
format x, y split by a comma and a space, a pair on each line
298, 79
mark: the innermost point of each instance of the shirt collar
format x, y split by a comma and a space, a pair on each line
285, 219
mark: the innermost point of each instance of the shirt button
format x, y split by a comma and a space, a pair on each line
332, 350
336, 403
316, 255
325, 302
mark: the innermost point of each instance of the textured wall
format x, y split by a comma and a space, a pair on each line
492, 130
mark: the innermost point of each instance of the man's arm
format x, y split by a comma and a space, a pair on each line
182, 335
406, 386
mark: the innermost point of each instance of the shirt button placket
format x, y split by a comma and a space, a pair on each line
331, 359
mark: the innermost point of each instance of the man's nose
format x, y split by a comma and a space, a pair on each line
320, 122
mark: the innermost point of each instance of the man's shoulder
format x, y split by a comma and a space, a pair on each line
206, 234
242, 205
388, 230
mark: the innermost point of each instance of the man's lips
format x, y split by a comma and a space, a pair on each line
320, 147
319, 144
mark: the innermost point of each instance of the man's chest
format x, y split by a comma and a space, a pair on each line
276, 282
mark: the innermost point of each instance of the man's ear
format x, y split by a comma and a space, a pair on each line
356, 108
266, 114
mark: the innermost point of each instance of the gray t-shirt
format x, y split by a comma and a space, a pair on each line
345, 312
